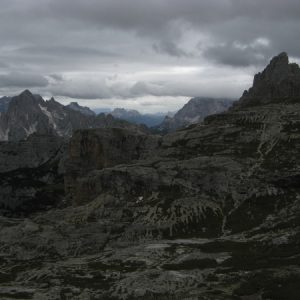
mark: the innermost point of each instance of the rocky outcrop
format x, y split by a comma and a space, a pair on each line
279, 82
193, 112
208, 212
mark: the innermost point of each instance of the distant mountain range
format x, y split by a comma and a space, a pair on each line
136, 117
193, 112
26, 114
83, 109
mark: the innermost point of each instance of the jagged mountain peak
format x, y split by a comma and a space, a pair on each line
74, 104
82, 109
35, 99
24, 102
134, 116
278, 69
120, 111
282, 59
52, 103
194, 111
26, 93
278, 82
52, 100
28, 113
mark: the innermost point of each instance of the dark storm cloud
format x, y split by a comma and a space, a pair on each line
56, 77
237, 54
62, 51
22, 80
79, 45
3, 65
169, 48
145, 16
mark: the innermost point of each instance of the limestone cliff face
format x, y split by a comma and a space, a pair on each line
279, 82
97, 149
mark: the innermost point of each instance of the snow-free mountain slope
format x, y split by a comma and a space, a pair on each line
193, 112
27, 114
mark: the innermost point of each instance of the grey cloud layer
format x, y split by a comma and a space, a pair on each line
73, 47
22, 80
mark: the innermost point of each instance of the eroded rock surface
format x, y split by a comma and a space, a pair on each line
209, 212
31, 173
99, 149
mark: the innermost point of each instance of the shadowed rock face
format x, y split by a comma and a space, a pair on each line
98, 149
31, 174
209, 212
279, 82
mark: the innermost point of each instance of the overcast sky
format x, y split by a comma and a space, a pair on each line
150, 55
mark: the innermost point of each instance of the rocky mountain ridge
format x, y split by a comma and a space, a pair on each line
193, 112
208, 212
27, 114
136, 117
83, 109
279, 82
